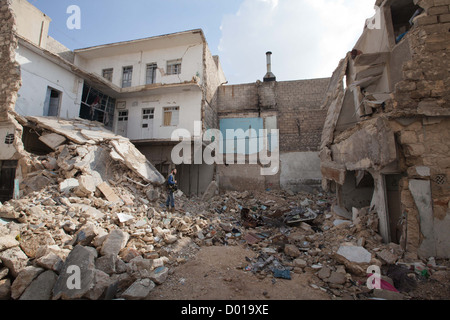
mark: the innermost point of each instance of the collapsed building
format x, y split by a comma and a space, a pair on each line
386, 137
77, 186
142, 89
147, 89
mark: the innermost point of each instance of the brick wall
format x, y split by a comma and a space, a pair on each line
300, 119
297, 104
424, 93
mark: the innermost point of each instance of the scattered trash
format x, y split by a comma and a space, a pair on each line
284, 274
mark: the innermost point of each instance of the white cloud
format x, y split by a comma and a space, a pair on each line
307, 37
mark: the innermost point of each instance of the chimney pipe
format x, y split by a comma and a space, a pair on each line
269, 75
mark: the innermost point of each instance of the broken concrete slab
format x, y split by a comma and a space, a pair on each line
372, 146
65, 128
52, 140
333, 171
354, 253
137, 162
84, 132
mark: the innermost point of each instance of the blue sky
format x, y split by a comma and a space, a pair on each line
307, 37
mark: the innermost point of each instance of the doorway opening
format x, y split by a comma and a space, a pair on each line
393, 197
357, 190
7, 179
52, 102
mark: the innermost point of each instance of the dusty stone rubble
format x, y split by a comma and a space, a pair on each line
90, 203
83, 206
306, 233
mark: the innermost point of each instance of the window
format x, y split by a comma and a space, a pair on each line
97, 106
123, 116
403, 12
108, 74
151, 73
147, 114
171, 116
127, 77
174, 67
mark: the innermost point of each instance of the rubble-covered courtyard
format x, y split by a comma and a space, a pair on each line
84, 205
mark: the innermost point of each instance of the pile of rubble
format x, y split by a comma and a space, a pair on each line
88, 224
306, 233
91, 223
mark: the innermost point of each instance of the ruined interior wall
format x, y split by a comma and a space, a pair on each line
213, 77
10, 82
300, 119
425, 195
425, 92
418, 118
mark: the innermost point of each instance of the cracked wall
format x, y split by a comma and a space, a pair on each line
10, 82
397, 126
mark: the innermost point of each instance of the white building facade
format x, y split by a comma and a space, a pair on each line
142, 89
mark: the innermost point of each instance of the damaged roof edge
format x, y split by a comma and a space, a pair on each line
193, 31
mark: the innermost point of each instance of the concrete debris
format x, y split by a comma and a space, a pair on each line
97, 229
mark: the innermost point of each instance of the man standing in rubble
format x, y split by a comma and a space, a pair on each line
171, 188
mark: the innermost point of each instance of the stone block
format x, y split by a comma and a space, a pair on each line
14, 259
32, 244
115, 241
159, 275
5, 289
23, 280
107, 263
7, 242
109, 194
78, 267
41, 287
354, 253
139, 290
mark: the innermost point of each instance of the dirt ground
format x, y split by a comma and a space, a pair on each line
215, 274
